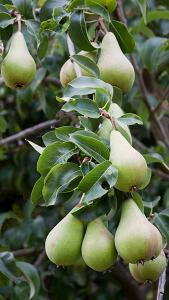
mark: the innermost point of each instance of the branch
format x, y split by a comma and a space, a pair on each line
161, 286
23, 252
40, 258
163, 98
29, 131
51, 80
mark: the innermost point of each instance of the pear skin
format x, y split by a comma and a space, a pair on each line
67, 72
98, 249
114, 66
131, 165
18, 67
63, 243
150, 271
136, 239
106, 126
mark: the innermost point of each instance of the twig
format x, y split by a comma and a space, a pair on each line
161, 286
51, 80
40, 258
29, 131
72, 52
163, 98
102, 25
23, 252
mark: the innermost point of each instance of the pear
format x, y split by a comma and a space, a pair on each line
98, 249
150, 271
63, 243
67, 72
18, 67
131, 165
114, 66
136, 239
106, 126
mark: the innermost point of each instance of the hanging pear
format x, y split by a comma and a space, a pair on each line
150, 271
18, 67
98, 249
136, 239
63, 243
114, 66
131, 165
106, 127
67, 72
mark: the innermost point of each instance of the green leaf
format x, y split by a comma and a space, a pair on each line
153, 158
3, 124
90, 124
78, 32
92, 184
36, 194
91, 146
38, 148
83, 106
62, 177
32, 277
6, 216
138, 199
5, 20
49, 137
130, 119
96, 7
48, 8
43, 47
53, 154
161, 220
153, 203
123, 36
87, 64
143, 7
8, 266
63, 133
24, 7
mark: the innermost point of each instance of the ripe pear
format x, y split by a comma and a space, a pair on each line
114, 66
18, 67
98, 249
67, 72
150, 271
131, 165
63, 243
106, 126
136, 239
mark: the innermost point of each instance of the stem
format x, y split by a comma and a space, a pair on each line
18, 20
72, 52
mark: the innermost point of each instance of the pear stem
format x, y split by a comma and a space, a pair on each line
103, 26
105, 114
18, 20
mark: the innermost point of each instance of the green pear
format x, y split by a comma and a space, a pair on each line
18, 67
63, 243
150, 271
131, 165
136, 239
106, 127
98, 249
67, 72
114, 66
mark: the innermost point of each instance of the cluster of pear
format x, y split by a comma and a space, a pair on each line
136, 240
114, 66
18, 68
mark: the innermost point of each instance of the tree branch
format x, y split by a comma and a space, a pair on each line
163, 98
40, 258
29, 131
23, 252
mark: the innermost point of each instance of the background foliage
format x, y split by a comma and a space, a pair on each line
25, 270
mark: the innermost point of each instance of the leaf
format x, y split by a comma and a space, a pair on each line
83, 106
53, 154
32, 277
63, 133
8, 267
143, 7
78, 32
48, 8
125, 39
36, 194
91, 146
138, 199
153, 158
87, 64
98, 8
5, 20
49, 137
43, 47
62, 177
153, 203
3, 124
161, 220
38, 148
92, 185
130, 119
6, 216
24, 7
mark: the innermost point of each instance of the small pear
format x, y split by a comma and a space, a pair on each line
131, 165
106, 126
150, 271
114, 66
67, 72
98, 249
18, 67
63, 243
136, 239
